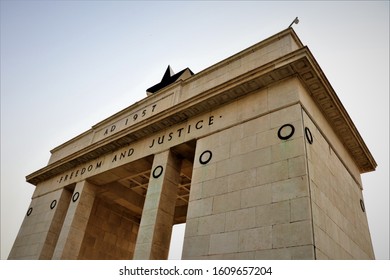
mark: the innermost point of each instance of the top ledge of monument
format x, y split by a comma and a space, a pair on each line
300, 54
186, 75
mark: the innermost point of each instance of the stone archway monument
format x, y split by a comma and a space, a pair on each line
256, 154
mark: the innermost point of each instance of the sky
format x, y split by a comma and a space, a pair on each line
67, 65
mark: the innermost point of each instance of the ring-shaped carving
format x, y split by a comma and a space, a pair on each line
157, 171
285, 137
205, 157
362, 205
29, 211
75, 196
53, 204
309, 137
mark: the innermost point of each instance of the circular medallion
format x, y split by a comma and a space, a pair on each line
309, 137
53, 204
157, 171
362, 205
205, 157
287, 130
29, 211
75, 196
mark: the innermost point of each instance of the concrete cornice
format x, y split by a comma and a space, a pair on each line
329, 103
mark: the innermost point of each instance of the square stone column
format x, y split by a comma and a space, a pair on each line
41, 227
155, 230
56, 224
76, 220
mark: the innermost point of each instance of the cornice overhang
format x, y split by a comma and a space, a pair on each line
299, 63
327, 100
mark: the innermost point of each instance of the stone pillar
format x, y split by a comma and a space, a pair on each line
39, 232
155, 230
76, 220
56, 224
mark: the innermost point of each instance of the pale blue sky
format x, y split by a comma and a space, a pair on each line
67, 65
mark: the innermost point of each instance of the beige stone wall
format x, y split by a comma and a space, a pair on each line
251, 201
111, 233
340, 225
